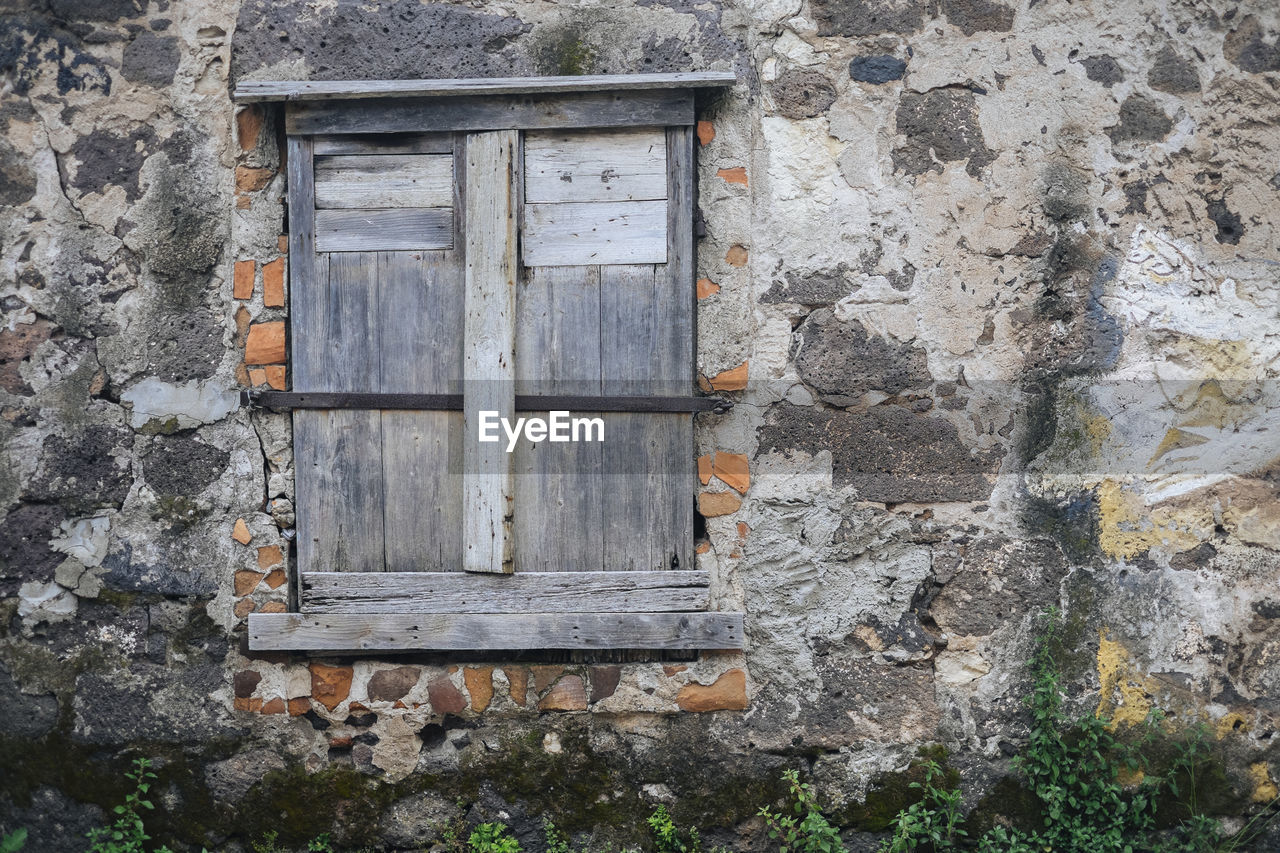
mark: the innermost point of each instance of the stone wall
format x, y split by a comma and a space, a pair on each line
994, 286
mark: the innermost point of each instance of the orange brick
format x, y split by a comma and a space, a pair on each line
299, 706
274, 706
736, 175
702, 548
243, 608
479, 681
518, 679
250, 180
567, 694
257, 376
241, 704
270, 556
243, 319
274, 607
733, 379
672, 670
736, 256
330, 684
265, 344
274, 579
707, 287
248, 127
273, 283
282, 244
246, 581
743, 529
242, 280
276, 376
727, 693
732, 470
240, 532
704, 468
716, 504
706, 132
243, 202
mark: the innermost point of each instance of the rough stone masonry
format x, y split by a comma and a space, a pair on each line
994, 283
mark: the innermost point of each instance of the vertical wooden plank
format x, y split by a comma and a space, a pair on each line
421, 353
488, 355
339, 471
557, 522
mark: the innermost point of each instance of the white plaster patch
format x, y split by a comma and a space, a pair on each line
192, 404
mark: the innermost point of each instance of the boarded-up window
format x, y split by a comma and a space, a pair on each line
519, 253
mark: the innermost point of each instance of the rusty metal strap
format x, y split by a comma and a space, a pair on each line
453, 402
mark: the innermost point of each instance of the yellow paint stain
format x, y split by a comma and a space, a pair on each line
1127, 528
1097, 428
1228, 724
1176, 439
1124, 696
1264, 788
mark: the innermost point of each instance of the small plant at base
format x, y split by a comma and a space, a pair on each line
492, 838
320, 844
933, 821
14, 841
667, 836
127, 834
807, 830
557, 841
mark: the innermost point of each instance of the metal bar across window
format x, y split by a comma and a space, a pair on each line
453, 402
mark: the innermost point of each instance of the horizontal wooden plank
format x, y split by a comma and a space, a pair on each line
388, 143
618, 232
595, 165
447, 631
551, 592
303, 90
498, 112
384, 230
384, 180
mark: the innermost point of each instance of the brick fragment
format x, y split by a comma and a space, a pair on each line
330, 684
274, 607
733, 379
246, 581
543, 676
671, 669
240, 532
518, 679
702, 548
732, 469
567, 694
274, 706
276, 376
389, 685
706, 132
265, 343
299, 706
242, 279
243, 608
704, 468
257, 376
270, 556
736, 175
604, 682
273, 283
727, 693
707, 287
479, 681
716, 504
248, 127
445, 698
274, 579
245, 682
736, 256
282, 244
250, 180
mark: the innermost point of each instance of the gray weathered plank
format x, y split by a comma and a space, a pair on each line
599, 165
557, 523
656, 108
306, 269
389, 230
420, 301
387, 631
489, 347
385, 143
549, 592
338, 467
598, 232
301, 90
384, 180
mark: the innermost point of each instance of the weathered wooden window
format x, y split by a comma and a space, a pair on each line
508, 246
